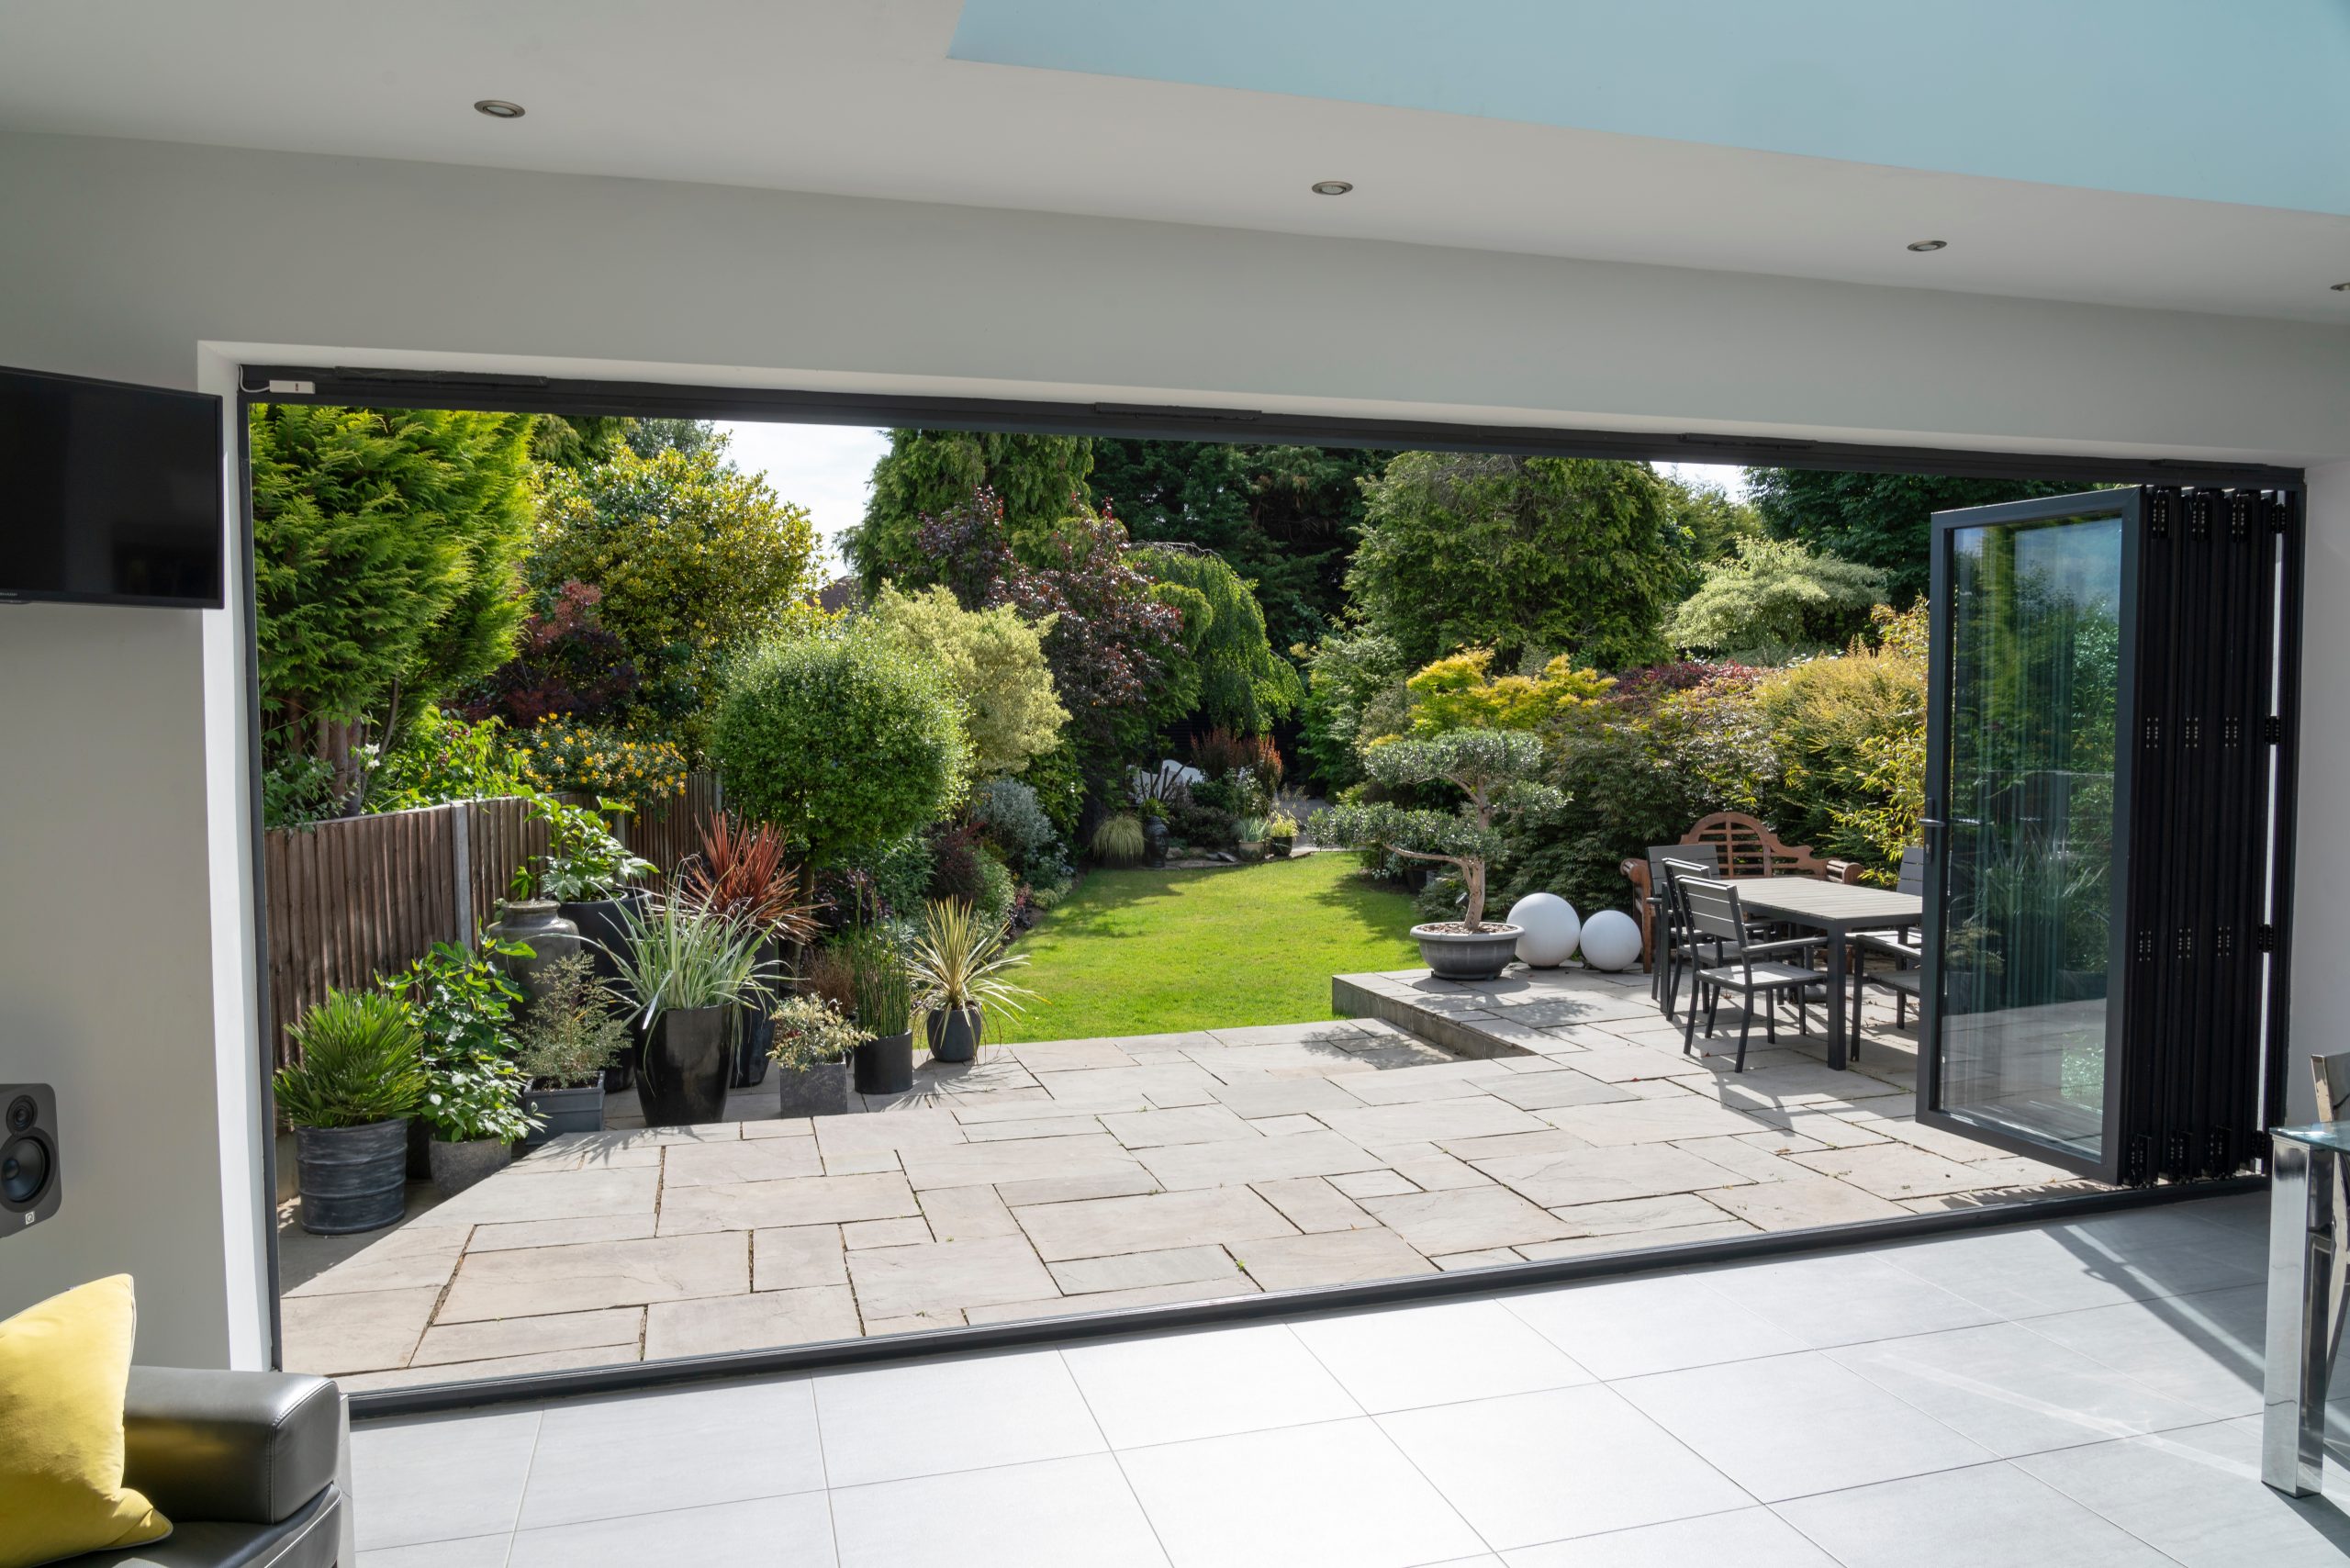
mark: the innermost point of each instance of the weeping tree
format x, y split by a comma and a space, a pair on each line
1228, 675
1496, 771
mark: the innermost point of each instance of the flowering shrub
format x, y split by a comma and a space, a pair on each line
566, 663
563, 757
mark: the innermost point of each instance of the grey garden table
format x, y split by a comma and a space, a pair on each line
1836, 910
2307, 1241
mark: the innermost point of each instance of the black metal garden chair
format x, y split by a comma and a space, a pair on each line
1763, 971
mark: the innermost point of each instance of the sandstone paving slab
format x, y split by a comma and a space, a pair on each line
1547, 1091
1616, 1062
1466, 1220
1898, 1171
795, 1257
1433, 1120
897, 1281
558, 1232
1136, 1270
1259, 1097
1311, 1033
587, 1275
1315, 1203
1374, 1184
1567, 1009
614, 1138
1745, 1159
1125, 1181
501, 1336
506, 1197
1797, 1205
1663, 1213
361, 1331
1549, 1140
1605, 1175
1190, 1123
1282, 1126
1329, 1258
1481, 1257
1014, 1159
715, 1326
865, 1163
1441, 1173
745, 1159
1651, 1121
994, 1070
1634, 1241
1131, 1087
1822, 1127
780, 1127
897, 1130
1035, 1127
410, 1257
863, 1233
1116, 1300
1411, 1085
546, 1158
967, 1214
1099, 1227
1255, 1159
1338, 1066
1077, 1055
1011, 1105
920, 1323
795, 1199
1933, 1140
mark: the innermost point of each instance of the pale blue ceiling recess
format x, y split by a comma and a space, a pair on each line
2218, 100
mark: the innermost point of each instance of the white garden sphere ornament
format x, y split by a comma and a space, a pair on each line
1611, 940
1550, 928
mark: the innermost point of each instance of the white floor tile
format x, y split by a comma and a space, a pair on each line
439, 1477
1060, 1513
1400, 1357
1964, 1518
1744, 1537
1174, 1387
673, 1449
929, 1417
1658, 1323
796, 1531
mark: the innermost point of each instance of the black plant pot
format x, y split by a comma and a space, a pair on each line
352, 1179
953, 1034
759, 1027
561, 1110
686, 1059
601, 923
819, 1090
885, 1066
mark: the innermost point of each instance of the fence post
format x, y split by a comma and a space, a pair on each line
461, 866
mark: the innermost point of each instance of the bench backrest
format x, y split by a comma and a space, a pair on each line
1747, 849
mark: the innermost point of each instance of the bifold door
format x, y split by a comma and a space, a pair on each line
2101, 828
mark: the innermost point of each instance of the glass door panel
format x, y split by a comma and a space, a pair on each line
2026, 787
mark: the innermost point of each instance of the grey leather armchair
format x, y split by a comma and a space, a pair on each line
249, 1468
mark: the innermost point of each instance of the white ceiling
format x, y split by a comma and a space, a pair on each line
858, 97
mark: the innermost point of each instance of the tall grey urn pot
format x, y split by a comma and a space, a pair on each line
687, 1060
352, 1179
539, 924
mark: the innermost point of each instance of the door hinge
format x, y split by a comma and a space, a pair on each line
2264, 938
2272, 730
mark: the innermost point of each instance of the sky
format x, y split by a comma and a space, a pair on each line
829, 470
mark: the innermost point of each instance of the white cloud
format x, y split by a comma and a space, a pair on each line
826, 469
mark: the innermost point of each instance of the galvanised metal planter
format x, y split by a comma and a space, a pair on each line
352, 1179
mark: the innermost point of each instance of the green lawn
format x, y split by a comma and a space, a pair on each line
1152, 952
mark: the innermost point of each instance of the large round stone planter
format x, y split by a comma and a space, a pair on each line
1467, 955
538, 924
953, 1034
352, 1179
819, 1090
457, 1166
687, 1060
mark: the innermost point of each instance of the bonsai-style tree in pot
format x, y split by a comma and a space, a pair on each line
465, 1005
811, 1048
958, 965
690, 971
566, 1040
348, 1097
1495, 771
741, 874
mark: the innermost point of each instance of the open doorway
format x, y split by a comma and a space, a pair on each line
1122, 715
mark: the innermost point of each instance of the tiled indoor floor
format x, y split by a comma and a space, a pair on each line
1085, 1175
2081, 1393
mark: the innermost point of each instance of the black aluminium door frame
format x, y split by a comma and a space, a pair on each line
262, 383
2129, 504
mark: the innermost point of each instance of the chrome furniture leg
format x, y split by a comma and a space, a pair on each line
2306, 1263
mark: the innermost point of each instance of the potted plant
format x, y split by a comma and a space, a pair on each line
884, 999
957, 967
533, 932
592, 879
464, 1004
1248, 833
691, 971
811, 1049
1495, 771
566, 1040
1281, 836
349, 1097
475, 1106
742, 876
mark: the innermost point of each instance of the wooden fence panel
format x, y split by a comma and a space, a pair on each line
352, 900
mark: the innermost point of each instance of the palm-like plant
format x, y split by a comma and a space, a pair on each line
677, 954
742, 874
960, 961
362, 1061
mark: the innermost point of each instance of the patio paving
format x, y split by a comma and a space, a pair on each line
1081, 1175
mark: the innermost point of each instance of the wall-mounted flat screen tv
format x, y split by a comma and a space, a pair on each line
109, 494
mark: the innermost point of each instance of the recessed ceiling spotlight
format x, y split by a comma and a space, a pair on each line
1923, 245
1332, 187
497, 108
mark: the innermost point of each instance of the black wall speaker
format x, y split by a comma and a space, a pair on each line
29, 1181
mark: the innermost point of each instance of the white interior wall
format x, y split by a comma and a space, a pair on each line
122, 937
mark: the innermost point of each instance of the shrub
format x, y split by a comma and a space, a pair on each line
810, 1031
1775, 599
1495, 769
360, 1062
842, 739
1347, 672
1007, 810
464, 1006
1197, 823
1462, 693
993, 661
999, 890
438, 757
566, 757
1118, 841
567, 665
1848, 732
1228, 671
955, 874
1219, 752
571, 1034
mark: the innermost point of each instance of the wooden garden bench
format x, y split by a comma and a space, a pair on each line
1745, 848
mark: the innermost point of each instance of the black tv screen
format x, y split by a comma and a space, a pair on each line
109, 494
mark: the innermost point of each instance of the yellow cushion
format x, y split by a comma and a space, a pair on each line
63, 1366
